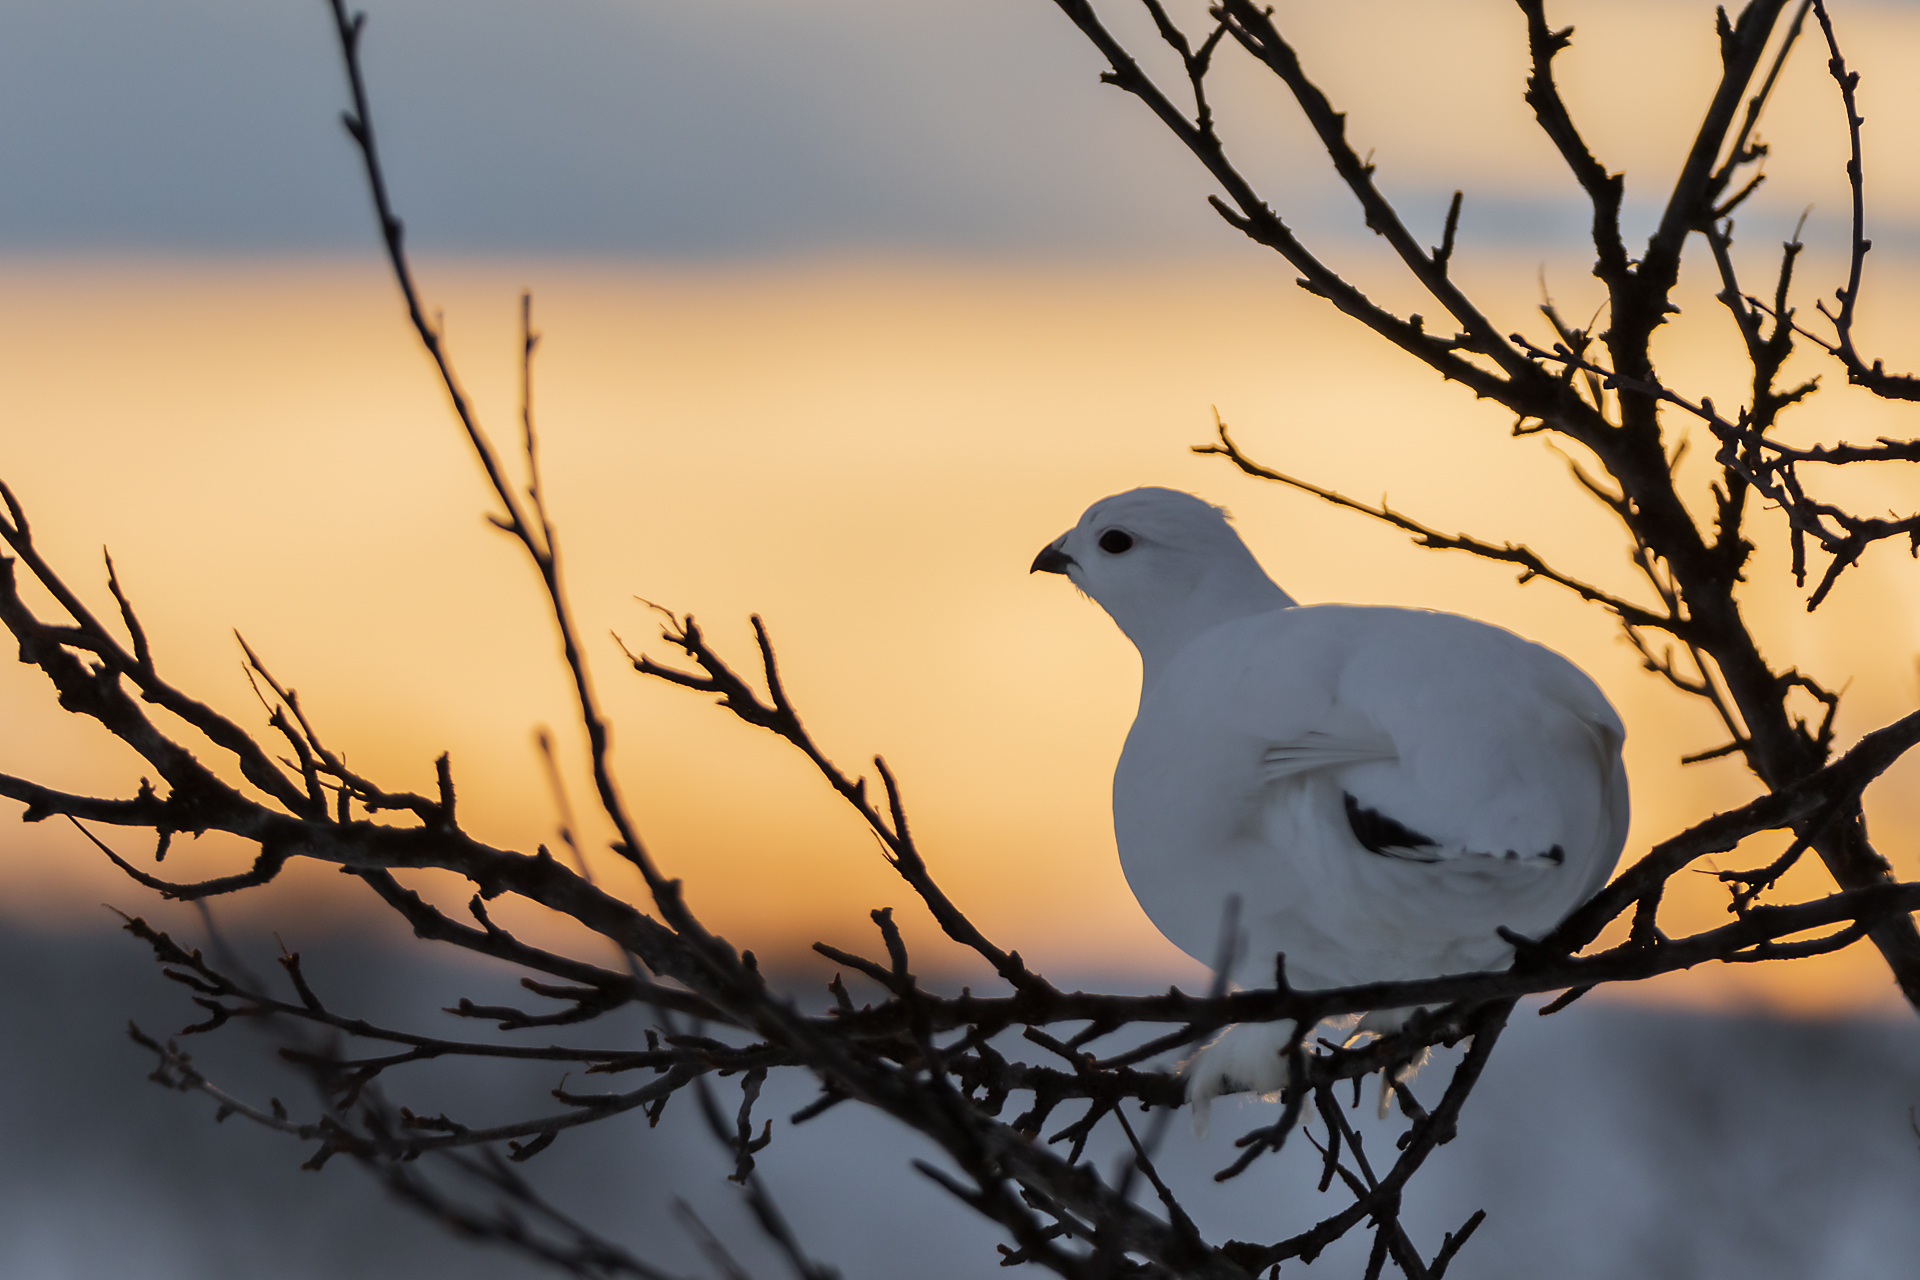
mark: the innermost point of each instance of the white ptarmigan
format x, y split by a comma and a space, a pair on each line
1381, 788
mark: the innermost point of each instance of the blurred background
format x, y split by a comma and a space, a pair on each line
848, 307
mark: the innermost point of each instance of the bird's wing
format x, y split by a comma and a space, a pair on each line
1444, 741
1505, 751
1318, 749
1376, 831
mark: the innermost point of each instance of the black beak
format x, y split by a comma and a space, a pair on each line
1051, 560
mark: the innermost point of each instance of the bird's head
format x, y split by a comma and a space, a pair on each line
1164, 565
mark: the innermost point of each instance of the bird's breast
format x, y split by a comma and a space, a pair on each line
1189, 808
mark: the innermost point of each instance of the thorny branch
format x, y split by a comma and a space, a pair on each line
949, 1066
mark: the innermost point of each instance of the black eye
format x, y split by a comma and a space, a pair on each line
1116, 541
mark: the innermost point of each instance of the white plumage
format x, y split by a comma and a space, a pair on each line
1381, 788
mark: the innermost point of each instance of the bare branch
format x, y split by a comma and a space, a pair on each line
1532, 566
1875, 379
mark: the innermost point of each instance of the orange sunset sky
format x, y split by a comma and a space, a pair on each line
847, 363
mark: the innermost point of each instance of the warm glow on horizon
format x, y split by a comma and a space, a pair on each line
867, 454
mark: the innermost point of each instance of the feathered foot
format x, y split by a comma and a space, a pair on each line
1384, 1022
1247, 1058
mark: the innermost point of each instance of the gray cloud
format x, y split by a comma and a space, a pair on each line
648, 128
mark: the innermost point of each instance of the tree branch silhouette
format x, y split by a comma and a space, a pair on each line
949, 1066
